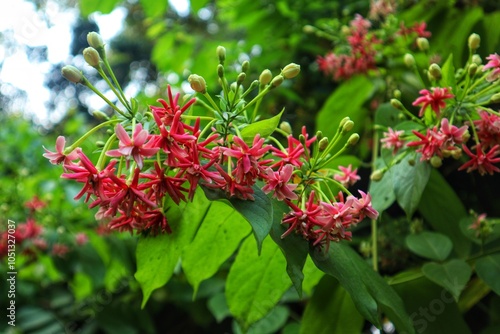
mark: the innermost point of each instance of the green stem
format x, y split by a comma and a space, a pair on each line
212, 102
111, 104
108, 67
102, 156
118, 95
89, 133
374, 225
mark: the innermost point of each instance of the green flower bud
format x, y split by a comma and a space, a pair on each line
265, 77
476, 59
436, 161
323, 143
495, 98
342, 122
245, 66
308, 29
100, 143
397, 94
353, 139
411, 162
277, 80
474, 41
72, 74
397, 104
100, 115
291, 71
95, 40
435, 71
221, 54
472, 69
409, 60
241, 78
456, 154
220, 71
423, 44
348, 125
319, 135
91, 56
377, 175
197, 83
286, 127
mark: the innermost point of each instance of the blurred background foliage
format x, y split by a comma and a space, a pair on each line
90, 288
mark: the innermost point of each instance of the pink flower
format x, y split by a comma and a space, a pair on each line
294, 152
362, 207
434, 99
494, 63
59, 157
488, 129
81, 238
453, 135
35, 204
483, 162
430, 144
59, 250
302, 220
278, 182
137, 148
392, 140
347, 177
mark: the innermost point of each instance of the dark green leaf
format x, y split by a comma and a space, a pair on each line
443, 210
409, 183
488, 269
368, 289
471, 234
382, 191
264, 128
328, 309
431, 245
386, 115
448, 75
452, 275
218, 306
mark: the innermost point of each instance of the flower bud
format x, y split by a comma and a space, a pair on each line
397, 104
265, 77
456, 154
291, 71
221, 54
277, 80
286, 127
377, 175
323, 143
411, 162
241, 78
409, 60
495, 98
72, 74
343, 120
308, 29
435, 71
319, 135
245, 66
466, 136
353, 139
220, 71
348, 125
100, 144
472, 69
95, 40
197, 83
476, 59
397, 94
423, 44
100, 115
91, 56
436, 161
474, 41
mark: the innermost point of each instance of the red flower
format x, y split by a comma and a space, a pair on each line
453, 135
35, 204
60, 250
430, 143
137, 148
392, 140
278, 182
362, 207
488, 129
294, 152
162, 184
58, 157
302, 220
434, 99
494, 63
347, 177
483, 162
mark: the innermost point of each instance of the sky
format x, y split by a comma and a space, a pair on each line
20, 19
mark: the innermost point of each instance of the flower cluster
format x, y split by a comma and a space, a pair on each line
448, 117
159, 157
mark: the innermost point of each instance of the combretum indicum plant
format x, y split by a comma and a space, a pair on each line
159, 156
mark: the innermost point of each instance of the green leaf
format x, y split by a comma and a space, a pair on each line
218, 306
442, 209
88, 7
382, 191
328, 310
312, 276
154, 8
271, 323
470, 233
409, 183
452, 275
158, 256
431, 245
341, 104
369, 291
488, 269
196, 5
81, 286
387, 115
293, 246
216, 240
448, 75
255, 283
264, 128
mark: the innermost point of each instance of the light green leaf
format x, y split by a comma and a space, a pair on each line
409, 183
256, 283
448, 75
382, 191
88, 7
431, 245
264, 128
452, 275
328, 309
216, 240
158, 256
488, 269
154, 8
196, 5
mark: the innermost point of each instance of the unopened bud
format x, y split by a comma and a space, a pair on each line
377, 175
353, 139
100, 143
345, 30
291, 71
220, 71
302, 139
241, 78
221, 54
72, 74
343, 120
436, 161
91, 56
286, 127
308, 29
476, 59
472, 69
474, 41
197, 83
466, 136
456, 154
495, 98
397, 94
245, 66
323, 143
348, 125
319, 135
265, 77
435, 71
95, 40
409, 60
411, 162
277, 80
423, 44
100, 115
397, 104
